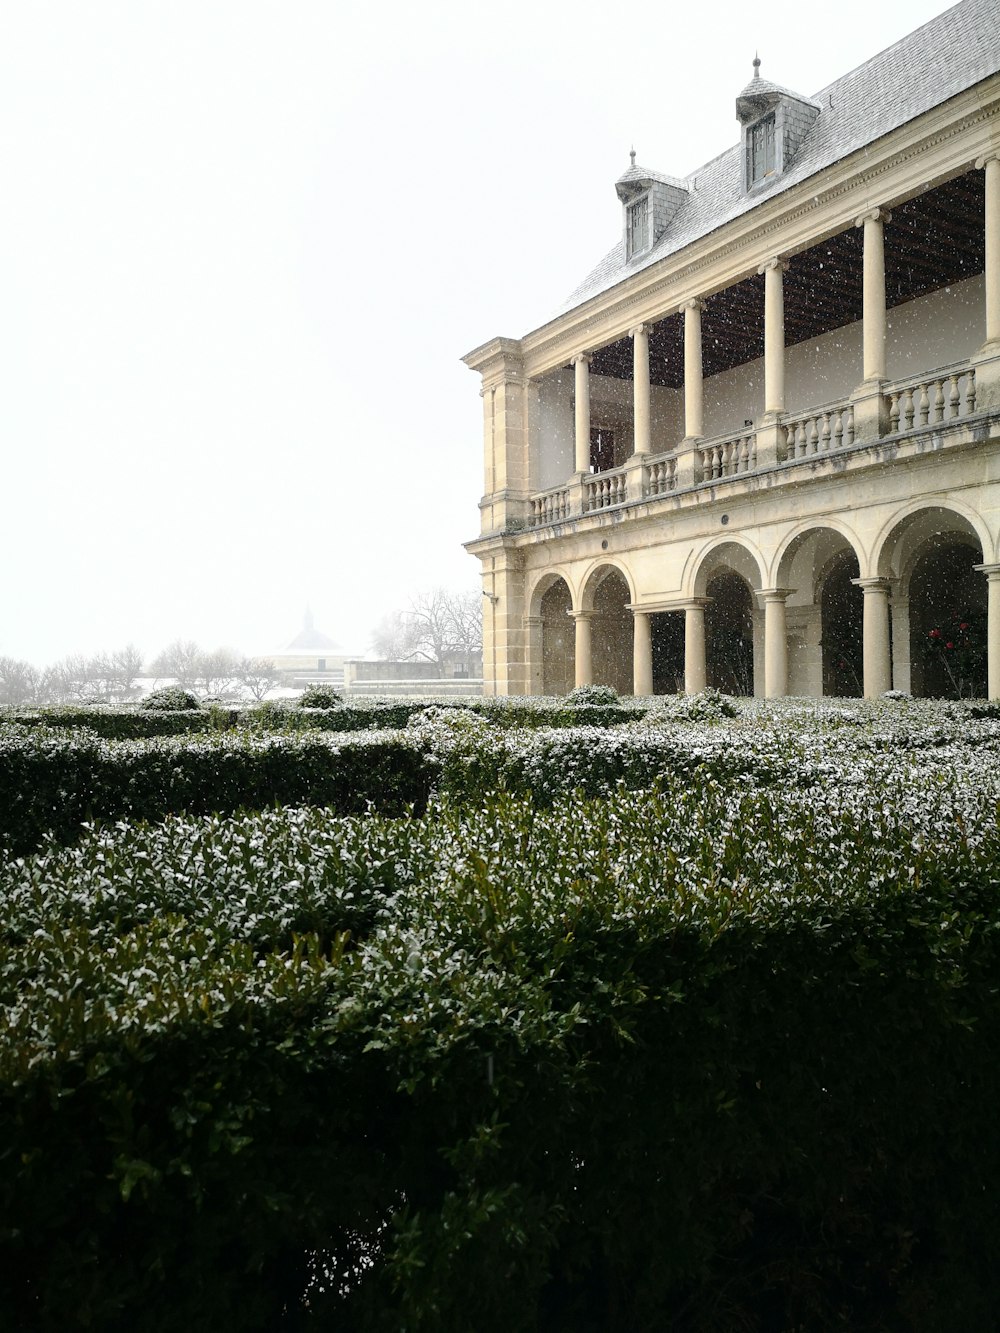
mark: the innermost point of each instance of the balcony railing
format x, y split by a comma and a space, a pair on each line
819, 431
935, 398
945, 395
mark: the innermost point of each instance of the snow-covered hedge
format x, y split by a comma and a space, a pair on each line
720, 1054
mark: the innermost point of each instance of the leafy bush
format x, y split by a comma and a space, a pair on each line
170, 699
592, 694
687, 1058
320, 696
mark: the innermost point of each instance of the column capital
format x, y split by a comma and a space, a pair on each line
581, 615
875, 585
695, 603
584, 358
775, 594
637, 610
873, 215
695, 303
991, 155
776, 263
640, 328
992, 572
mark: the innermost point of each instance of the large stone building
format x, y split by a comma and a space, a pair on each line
760, 447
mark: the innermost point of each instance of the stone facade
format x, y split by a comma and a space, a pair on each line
798, 392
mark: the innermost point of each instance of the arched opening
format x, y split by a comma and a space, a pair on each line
611, 638
729, 634
667, 632
842, 621
947, 605
558, 639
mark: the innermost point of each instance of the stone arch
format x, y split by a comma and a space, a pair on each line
939, 600
734, 554
728, 574
553, 636
606, 597
596, 575
819, 562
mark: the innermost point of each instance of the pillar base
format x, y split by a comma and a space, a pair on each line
871, 412
770, 441
987, 366
635, 469
576, 493
689, 462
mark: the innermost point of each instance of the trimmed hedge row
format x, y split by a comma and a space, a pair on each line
50, 785
377, 715
52, 782
687, 1059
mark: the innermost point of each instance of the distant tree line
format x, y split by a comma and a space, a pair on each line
112, 678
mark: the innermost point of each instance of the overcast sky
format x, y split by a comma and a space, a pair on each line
243, 246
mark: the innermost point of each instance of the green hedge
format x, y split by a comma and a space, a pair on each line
51, 784
714, 1056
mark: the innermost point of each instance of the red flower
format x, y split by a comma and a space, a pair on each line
963, 625
949, 645
935, 634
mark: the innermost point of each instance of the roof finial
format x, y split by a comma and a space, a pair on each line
756, 65
631, 153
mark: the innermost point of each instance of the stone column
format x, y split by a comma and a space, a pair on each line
775, 642
640, 388
582, 367
642, 654
875, 636
900, 618
583, 658
987, 359
871, 412
991, 165
873, 294
774, 336
693, 387
992, 573
695, 672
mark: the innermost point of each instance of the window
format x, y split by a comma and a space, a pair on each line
637, 227
760, 150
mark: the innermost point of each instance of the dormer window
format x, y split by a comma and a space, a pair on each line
776, 123
761, 154
650, 202
637, 227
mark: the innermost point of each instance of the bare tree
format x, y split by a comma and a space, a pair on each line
258, 676
179, 662
217, 672
438, 626
19, 682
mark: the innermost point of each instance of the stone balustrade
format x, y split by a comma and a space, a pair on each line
604, 490
819, 430
935, 398
729, 456
549, 507
944, 395
660, 475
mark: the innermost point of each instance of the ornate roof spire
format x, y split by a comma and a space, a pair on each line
631, 153
756, 65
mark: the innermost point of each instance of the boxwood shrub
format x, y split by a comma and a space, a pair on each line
715, 1055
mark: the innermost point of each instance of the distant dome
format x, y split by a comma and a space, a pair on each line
310, 637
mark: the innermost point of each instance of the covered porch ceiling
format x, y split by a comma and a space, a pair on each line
932, 240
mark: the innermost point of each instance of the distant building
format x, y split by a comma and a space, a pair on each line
312, 657
760, 446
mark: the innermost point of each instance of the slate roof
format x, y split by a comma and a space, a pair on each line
935, 62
